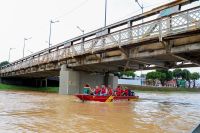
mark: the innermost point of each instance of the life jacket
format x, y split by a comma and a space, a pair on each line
103, 90
126, 92
110, 92
98, 90
118, 91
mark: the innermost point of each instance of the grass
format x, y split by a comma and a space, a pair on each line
25, 88
163, 89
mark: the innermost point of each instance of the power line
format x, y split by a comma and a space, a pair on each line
136, 11
72, 10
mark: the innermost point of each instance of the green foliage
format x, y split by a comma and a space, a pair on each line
169, 74
185, 74
177, 73
25, 88
152, 75
3, 63
195, 76
161, 75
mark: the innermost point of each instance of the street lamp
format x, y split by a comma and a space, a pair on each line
9, 53
25, 39
80, 29
105, 13
51, 22
141, 6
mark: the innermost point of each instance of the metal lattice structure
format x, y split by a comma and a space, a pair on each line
160, 28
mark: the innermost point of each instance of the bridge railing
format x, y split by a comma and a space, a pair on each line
158, 28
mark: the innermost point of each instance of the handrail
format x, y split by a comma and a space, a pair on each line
118, 33
134, 18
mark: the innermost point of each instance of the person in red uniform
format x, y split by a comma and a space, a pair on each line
103, 90
126, 91
110, 91
97, 90
118, 91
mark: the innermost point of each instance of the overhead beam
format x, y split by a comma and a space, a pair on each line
184, 59
161, 65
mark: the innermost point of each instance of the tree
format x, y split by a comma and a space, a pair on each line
186, 75
169, 75
177, 73
3, 63
195, 76
162, 77
156, 75
152, 76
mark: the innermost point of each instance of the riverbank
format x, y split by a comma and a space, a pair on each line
164, 89
6, 87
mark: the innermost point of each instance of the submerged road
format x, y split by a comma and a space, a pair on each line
43, 112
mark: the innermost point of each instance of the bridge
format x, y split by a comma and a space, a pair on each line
162, 38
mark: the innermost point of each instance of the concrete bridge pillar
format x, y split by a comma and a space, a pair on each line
72, 82
69, 81
113, 81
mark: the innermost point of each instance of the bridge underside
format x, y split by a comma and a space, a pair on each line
167, 42
174, 53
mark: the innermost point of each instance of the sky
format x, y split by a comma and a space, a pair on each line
30, 18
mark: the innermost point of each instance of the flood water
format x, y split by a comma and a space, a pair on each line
53, 113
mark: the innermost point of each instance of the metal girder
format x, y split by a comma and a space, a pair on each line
181, 58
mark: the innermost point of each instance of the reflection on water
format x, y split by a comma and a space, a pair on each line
43, 112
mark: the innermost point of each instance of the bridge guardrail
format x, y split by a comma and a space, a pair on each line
159, 28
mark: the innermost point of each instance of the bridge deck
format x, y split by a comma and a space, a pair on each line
159, 43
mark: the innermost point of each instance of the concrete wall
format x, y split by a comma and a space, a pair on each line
113, 81
72, 82
91, 79
69, 81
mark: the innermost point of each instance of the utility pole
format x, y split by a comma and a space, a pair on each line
141, 6
80, 29
51, 22
105, 13
9, 54
25, 39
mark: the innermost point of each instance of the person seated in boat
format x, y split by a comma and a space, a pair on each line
103, 90
110, 90
131, 92
118, 90
126, 91
97, 91
86, 89
92, 91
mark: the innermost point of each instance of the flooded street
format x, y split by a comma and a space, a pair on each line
43, 112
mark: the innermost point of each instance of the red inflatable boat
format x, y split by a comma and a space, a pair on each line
84, 97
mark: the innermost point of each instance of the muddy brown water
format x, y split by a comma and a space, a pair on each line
24, 112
